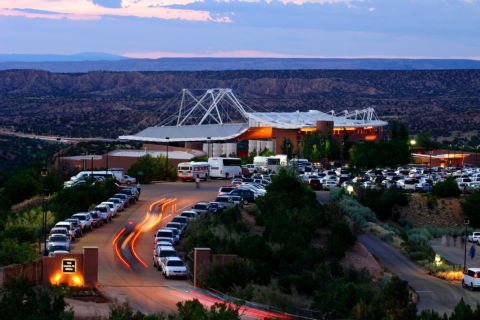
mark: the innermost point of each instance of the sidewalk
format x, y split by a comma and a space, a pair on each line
455, 254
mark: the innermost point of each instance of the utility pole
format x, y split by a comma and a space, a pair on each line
466, 221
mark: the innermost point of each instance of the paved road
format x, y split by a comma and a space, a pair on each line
145, 288
142, 285
434, 293
455, 254
323, 196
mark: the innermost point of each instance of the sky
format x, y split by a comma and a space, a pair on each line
243, 28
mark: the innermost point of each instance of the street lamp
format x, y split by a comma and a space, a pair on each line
43, 173
466, 221
208, 147
350, 190
166, 160
413, 142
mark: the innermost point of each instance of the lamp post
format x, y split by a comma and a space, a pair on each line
91, 165
43, 173
466, 221
166, 160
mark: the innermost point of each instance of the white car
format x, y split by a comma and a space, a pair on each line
174, 267
85, 220
471, 278
115, 207
474, 237
329, 184
164, 235
69, 226
160, 253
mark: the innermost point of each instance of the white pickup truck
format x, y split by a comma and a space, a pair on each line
474, 237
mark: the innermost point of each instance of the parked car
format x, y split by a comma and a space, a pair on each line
190, 215
225, 190
474, 237
117, 201
97, 219
216, 207
69, 227
226, 201
182, 220
471, 278
113, 207
315, 183
129, 180
423, 187
62, 230
164, 235
105, 212
175, 225
176, 234
201, 207
237, 200
329, 184
55, 249
161, 253
77, 226
174, 267
132, 198
85, 220
247, 195
124, 197
58, 240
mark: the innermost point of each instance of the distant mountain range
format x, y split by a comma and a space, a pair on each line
86, 62
84, 56
111, 104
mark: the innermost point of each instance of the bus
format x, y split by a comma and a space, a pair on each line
191, 170
225, 167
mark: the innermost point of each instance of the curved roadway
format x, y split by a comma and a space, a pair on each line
434, 293
135, 279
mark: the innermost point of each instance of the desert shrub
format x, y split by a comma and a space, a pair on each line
79, 198
471, 208
339, 240
446, 188
13, 252
224, 277
381, 201
360, 214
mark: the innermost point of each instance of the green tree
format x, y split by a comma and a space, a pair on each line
12, 252
19, 301
396, 300
287, 147
267, 153
425, 140
446, 188
471, 208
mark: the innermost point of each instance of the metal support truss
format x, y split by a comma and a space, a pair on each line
364, 115
217, 106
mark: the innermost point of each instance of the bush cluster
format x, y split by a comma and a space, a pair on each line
446, 188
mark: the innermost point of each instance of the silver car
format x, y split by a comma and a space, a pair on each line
58, 240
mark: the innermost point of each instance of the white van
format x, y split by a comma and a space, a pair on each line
225, 168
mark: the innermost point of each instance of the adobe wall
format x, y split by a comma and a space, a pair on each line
86, 268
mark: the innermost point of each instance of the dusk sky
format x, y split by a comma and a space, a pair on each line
243, 28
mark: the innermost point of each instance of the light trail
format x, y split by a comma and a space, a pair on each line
115, 245
144, 226
246, 310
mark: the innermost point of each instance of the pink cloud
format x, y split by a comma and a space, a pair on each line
86, 9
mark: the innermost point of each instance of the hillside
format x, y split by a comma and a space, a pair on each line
93, 62
110, 104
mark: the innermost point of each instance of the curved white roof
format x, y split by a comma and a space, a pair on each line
297, 120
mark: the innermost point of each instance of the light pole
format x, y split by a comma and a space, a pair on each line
91, 166
166, 160
208, 147
108, 149
466, 221
43, 173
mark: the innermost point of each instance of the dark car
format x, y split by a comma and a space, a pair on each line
247, 195
315, 184
132, 197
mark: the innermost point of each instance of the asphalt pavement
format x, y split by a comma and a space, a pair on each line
144, 286
436, 294
455, 253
